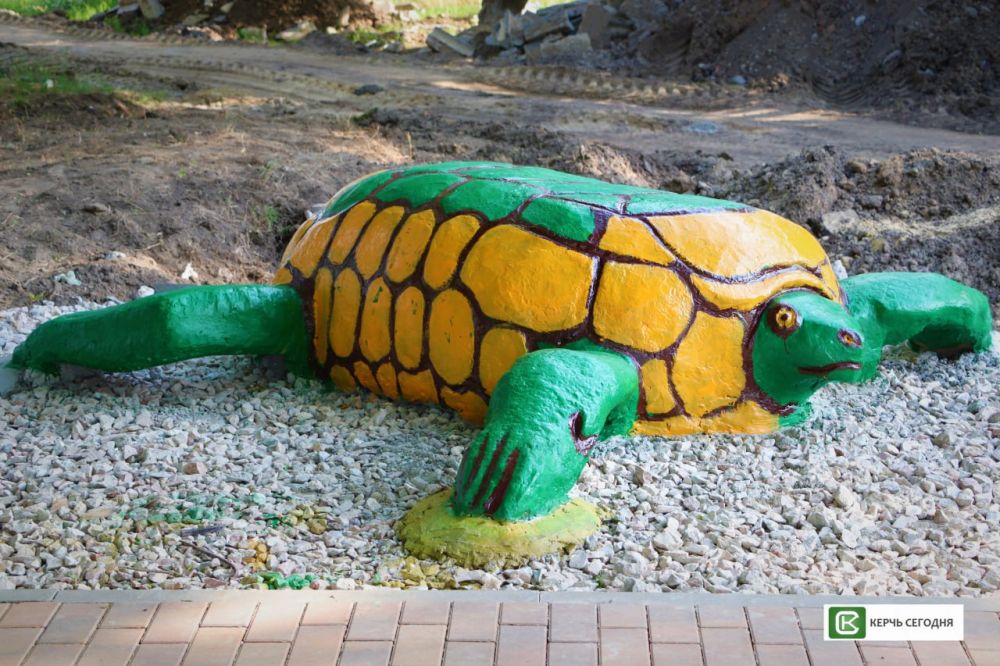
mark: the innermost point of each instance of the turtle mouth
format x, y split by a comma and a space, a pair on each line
829, 367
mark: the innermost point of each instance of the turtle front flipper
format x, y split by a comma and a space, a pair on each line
510, 497
173, 326
928, 310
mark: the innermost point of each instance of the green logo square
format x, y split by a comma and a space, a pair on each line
846, 622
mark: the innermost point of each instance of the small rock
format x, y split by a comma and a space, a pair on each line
189, 273
368, 89
69, 277
143, 291
578, 560
96, 207
196, 467
738, 80
838, 221
297, 32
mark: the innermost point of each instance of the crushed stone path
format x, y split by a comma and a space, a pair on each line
455, 628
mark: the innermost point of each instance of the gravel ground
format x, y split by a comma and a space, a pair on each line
210, 473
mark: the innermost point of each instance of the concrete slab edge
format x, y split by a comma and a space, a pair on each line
677, 599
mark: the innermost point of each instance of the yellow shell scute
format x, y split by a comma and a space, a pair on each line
365, 377
418, 387
386, 376
708, 367
656, 387
745, 296
408, 332
631, 238
469, 406
731, 244
350, 228
371, 247
674, 426
450, 239
374, 338
451, 336
346, 302
282, 276
831, 282
746, 417
321, 313
525, 279
409, 245
641, 306
342, 378
501, 346
305, 258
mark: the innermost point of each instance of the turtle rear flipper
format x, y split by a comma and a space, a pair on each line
173, 326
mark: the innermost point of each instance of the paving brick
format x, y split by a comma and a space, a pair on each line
673, 624
110, 647
573, 623
54, 654
678, 654
374, 621
524, 612
774, 624
15, 643
985, 657
622, 615
940, 653
468, 654
159, 654
732, 617
725, 646
888, 656
810, 617
425, 612
214, 646
275, 621
317, 644
473, 621
982, 630
175, 622
128, 616
572, 654
366, 653
419, 645
229, 613
73, 623
521, 645
624, 647
782, 655
29, 614
830, 653
263, 654
328, 611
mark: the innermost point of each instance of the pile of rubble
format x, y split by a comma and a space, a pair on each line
570, 32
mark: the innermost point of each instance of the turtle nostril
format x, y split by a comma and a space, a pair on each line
849, 338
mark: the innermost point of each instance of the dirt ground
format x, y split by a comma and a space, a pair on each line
217, 161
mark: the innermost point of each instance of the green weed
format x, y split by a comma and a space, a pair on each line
75, 10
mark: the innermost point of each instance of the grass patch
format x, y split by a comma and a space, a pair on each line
464, 9
21, 83
75, 10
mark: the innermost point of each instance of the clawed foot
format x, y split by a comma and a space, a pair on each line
517, 474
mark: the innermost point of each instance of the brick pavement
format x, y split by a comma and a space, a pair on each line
375, 628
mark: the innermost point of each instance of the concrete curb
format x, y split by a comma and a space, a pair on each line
678, 599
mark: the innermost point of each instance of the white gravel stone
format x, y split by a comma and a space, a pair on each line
205, 473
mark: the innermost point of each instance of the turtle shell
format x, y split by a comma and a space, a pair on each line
428, 282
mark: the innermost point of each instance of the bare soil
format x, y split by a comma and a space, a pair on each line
219, 172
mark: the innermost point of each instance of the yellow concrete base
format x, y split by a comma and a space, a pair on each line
430, 530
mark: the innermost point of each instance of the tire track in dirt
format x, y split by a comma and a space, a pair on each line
629, 114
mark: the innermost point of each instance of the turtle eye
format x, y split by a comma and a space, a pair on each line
784, 320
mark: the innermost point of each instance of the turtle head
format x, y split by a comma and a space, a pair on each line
803, 341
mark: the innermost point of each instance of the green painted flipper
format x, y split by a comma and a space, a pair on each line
545, 414
928, 310
173, 326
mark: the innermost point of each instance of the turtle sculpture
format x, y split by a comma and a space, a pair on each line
557, 310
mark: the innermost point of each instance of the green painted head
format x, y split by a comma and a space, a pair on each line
803, 341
